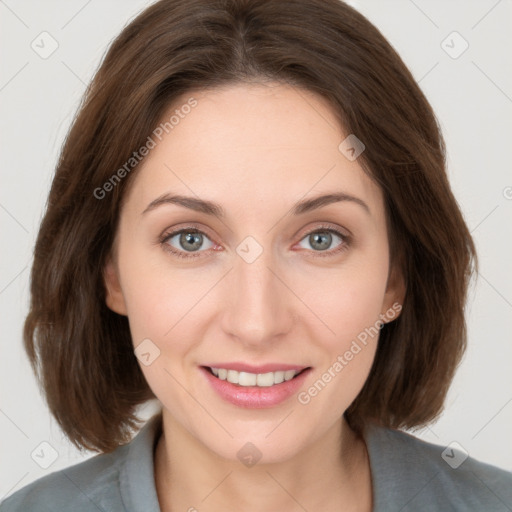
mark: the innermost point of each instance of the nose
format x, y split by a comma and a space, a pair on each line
259, 306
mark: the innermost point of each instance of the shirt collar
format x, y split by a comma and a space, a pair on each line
137, 476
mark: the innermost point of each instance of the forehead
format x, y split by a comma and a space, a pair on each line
251, 145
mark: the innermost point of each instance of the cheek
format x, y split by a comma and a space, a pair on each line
151, 310
163, 307
159, 298
348, 301
349, 304
351, 314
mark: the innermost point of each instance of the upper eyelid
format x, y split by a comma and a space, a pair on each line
172, 233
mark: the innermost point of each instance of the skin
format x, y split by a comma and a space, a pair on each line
256, 150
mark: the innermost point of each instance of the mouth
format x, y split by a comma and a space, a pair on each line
264, 387
255, 387
245, 379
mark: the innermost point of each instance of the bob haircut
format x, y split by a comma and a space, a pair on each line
82, 352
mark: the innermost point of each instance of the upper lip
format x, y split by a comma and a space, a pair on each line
262, 368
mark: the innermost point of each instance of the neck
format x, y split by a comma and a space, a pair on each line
333, 473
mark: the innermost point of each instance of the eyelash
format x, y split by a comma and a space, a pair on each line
317, 254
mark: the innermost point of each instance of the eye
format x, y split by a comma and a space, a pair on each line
189, 242
186, 242
321, 240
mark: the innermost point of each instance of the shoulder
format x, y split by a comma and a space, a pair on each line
417, 475
118, 481
87, 486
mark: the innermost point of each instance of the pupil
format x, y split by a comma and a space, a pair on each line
187, 238
317, 237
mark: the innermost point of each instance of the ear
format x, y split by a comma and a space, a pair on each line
114, 295
394, 295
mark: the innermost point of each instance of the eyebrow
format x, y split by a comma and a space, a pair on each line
214, 209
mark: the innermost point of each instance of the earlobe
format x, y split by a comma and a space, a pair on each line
114, 297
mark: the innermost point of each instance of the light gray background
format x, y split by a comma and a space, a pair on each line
470, 94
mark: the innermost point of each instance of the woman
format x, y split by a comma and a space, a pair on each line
251, 222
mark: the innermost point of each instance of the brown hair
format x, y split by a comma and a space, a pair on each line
82, 351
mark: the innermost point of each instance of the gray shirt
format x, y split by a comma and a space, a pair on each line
408, 475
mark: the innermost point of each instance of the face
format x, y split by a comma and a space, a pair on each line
266, 284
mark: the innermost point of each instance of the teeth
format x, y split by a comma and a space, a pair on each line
278, 377
253, 379
233, 376
247, 379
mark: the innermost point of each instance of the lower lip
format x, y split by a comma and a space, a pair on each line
255, 397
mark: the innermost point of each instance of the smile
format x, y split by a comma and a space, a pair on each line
246, 379
266, 386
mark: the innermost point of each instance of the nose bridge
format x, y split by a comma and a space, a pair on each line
258, 309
